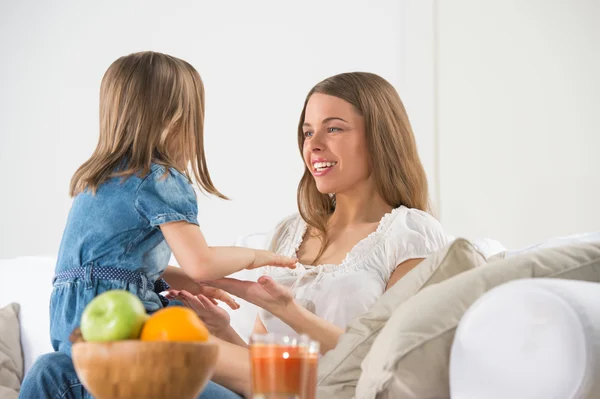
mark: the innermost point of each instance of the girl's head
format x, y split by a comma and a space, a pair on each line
151, 111
354, 132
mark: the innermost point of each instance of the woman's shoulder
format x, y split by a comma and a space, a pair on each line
416, 220
412, 233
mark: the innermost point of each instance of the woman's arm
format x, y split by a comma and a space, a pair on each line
233, 367
201, 262
328, 334
401, 271
216, 319
305, 322
230, 335
278, 300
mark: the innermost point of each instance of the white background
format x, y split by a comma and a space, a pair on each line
519, 102
502, 96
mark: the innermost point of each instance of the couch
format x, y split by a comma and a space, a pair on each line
496, 351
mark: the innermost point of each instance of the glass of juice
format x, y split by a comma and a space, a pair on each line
283, 366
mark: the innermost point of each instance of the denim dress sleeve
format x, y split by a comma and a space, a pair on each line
166, 196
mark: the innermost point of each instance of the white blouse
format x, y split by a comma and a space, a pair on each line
338, 293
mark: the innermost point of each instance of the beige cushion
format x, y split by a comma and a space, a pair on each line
11, 358
410, 357
339, 369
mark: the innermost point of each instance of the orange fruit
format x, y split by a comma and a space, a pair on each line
174, 323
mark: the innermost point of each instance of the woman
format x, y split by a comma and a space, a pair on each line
362, 224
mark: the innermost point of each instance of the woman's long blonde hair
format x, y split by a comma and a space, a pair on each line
151, 111
397, 168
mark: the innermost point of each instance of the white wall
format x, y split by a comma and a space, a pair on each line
518, 104
258, 60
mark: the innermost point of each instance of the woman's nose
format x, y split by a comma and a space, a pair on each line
315, 143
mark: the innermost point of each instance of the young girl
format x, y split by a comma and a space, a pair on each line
133, 204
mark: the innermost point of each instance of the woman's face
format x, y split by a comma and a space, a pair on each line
335, 145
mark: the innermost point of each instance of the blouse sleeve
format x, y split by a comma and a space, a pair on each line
414, 234
166, 197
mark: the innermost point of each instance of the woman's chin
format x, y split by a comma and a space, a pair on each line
326, 188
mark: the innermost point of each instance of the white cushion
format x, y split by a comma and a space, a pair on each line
486, 246
529, 339
410, 357
28, 282
556, 242
340, 368
11, 358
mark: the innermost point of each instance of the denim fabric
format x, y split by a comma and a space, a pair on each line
215, 391
53, 377
117, 228
112, 240
70, 297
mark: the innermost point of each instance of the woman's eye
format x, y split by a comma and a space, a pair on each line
308, 134
333, 129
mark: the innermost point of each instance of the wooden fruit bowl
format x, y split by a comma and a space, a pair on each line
150, 370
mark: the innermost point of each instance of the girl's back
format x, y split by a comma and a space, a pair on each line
117, 227
134, 203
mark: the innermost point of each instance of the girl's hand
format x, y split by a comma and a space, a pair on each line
214, 317
265, 293
268, 258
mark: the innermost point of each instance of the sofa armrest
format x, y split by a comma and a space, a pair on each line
532, 338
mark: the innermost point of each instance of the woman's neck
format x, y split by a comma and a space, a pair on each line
363, 204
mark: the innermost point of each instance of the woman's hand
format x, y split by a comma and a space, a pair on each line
264, 293
278, 300
212, 294
214, 317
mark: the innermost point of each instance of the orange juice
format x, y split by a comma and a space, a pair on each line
284, 370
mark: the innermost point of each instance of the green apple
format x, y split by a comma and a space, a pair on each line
112, 316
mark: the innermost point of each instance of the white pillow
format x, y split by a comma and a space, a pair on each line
532, 338
339, 369
558, 242
410, 356
11, 360
28, 282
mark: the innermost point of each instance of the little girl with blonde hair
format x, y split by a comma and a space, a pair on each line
134, 203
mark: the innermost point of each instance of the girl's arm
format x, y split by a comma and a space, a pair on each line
201, 262
180, 281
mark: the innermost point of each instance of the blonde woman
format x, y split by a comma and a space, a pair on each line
134, 203
362, 223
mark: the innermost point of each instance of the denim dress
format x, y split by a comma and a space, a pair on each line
112, 240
